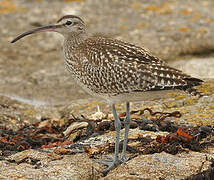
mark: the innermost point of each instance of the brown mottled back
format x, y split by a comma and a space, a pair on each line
108, 66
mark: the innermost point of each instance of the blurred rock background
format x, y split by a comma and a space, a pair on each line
32, 69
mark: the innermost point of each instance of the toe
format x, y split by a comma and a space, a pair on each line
111, 163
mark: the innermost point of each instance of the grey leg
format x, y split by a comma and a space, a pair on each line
117, 125
127, 125
115, 161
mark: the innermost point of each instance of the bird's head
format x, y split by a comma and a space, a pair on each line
68, 25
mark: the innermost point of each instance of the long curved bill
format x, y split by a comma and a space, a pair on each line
36, 30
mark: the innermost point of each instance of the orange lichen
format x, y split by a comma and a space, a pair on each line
29, 111
184, 29
140, 26
190, 101
172, 104
122, 27
208, 20
152, 8
179, 97
195, 18
202, 30
186, 11
135, 5
207, 87
165, 8
74, 0
200, 118
7, 6
172, 94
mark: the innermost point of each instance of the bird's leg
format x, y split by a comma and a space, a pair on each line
115, 161
127, 125
117, 125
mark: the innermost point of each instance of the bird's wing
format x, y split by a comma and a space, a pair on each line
129, 52
132, 68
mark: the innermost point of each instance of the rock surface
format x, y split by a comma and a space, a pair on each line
50, 166
160, 166
197, 67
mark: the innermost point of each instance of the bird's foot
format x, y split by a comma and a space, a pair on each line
124, 159
111, 163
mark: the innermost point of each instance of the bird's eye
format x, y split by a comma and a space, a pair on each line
68, 23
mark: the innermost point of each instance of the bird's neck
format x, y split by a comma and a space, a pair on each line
71, 43
73, 40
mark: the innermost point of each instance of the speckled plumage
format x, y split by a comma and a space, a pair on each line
109, 68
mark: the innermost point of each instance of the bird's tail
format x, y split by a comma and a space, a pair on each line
194, 92
190, 88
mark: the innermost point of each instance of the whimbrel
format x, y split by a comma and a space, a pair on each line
116, 71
